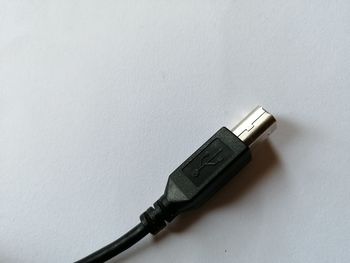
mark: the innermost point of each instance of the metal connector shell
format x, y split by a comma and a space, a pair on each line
257, 126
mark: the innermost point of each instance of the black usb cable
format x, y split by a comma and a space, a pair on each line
197, 179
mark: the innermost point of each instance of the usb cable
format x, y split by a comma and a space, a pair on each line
196, 180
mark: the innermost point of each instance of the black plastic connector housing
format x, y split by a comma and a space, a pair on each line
198, 178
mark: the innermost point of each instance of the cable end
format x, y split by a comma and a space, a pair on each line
256, 126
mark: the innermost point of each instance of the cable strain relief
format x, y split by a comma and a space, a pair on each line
156, 217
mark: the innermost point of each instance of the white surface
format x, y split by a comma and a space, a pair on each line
101, 100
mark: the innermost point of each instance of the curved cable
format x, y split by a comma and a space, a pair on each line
118, 246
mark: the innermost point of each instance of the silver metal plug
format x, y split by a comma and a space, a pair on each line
257, 126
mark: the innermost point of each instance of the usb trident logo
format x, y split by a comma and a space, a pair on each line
206, 160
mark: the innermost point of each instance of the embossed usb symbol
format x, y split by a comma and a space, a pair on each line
210, 162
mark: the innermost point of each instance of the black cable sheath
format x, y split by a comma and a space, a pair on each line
116, 247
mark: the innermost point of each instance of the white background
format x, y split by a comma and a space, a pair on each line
101, 100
